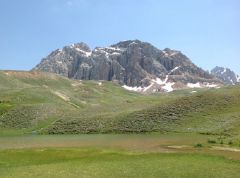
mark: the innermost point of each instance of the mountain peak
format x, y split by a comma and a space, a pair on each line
82, 46
225, 74
127, 43
131, 63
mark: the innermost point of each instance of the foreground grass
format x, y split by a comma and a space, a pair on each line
112, 163
115, 155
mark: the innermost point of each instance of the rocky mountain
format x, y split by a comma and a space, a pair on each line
226, 75
134, 64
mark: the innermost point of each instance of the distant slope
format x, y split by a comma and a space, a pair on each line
35, 102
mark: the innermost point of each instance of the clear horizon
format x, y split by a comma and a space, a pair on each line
206, 31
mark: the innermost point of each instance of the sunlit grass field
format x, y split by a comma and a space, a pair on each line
134, 155
51, 126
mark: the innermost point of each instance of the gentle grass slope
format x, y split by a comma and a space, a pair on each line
33, 102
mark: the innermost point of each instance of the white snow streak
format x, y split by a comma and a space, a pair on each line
203, 85
148, 87
59, 62
224, 71
137, 89
84, 52
211, 85
238, 78
114, 49
167, 86
194, 85
176, 68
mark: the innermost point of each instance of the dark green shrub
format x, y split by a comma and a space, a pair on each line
198, 145
212, 141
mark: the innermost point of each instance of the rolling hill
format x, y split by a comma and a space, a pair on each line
44, 103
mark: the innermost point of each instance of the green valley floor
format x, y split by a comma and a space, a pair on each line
117, 155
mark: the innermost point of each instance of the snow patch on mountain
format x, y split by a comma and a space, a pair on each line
173, 70
194, 85
155, 83
202, 85
137, 89
114, 48
88, 54
168, 87
224, 71
238, 78
59, 62
209, 85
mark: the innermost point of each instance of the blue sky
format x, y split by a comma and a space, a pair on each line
207, 31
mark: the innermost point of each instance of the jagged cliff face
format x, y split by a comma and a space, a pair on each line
131, 63
226, 75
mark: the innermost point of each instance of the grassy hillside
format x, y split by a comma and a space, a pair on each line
33, 102
198, 134
211, 112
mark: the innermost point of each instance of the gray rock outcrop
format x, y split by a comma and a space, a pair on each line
131, 63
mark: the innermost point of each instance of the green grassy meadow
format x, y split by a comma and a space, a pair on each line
51, 126
102, 163
41, 103
115, 155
